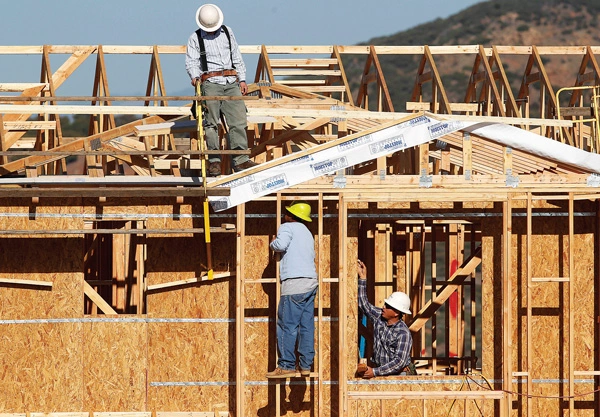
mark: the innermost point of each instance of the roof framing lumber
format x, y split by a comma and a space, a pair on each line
461, 274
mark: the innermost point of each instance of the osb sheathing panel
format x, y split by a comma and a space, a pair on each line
115, 362
35, 258
41, 367
191, 398
201, 355
116, 208
299, 398
171, 258
423, 406
491, 298
550, 301
352, 341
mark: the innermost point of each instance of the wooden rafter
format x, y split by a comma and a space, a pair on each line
347, 94
64, 71
438, 93
461, 274
101, 89
384, 100
77, 145
484, 74
548, 103
583, 77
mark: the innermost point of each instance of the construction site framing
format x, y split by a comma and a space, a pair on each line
106, 306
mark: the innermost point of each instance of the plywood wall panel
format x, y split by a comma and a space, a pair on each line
37, 259
298, 398
491, 297
190, 398
421, 407
41, 367
191, 361
115, 360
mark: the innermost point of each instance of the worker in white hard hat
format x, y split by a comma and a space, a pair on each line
213, 59
299, 283
392, 342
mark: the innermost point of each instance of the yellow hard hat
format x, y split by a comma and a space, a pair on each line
300, 210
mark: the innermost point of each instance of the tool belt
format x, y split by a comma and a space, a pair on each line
224, 73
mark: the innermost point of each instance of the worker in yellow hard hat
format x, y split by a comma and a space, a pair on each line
296, 313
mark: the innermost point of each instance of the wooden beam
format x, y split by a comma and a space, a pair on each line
426, 395
179, 283
24, 282
461, 274
97, 299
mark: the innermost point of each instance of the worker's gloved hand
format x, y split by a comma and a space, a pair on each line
361, 369
369, 373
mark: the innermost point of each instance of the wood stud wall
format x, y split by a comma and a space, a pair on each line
168, 340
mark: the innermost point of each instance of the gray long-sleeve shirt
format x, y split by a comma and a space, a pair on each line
297, 247
218, 56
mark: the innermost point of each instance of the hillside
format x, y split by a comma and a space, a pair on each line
495, 22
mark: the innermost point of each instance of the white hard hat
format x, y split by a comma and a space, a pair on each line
209, 17
399, 301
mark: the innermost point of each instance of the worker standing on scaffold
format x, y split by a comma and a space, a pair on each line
299, 283
213, 58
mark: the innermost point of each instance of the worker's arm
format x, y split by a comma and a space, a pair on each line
367, 308
281, 242
192, 58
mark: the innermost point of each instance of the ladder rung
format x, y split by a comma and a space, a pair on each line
261, 281
305, 72
302, 82
586, 373
324, 88
551, 279
303, 63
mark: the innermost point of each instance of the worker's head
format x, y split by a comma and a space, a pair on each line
299, 210
209, 17
399, 302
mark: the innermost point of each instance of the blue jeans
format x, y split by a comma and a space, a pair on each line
296, 322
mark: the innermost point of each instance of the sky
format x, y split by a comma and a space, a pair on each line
170, 22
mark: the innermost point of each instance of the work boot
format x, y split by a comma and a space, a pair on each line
281, 373
304, 372
214, 169
244, 165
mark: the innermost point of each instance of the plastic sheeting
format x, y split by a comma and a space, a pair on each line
327, 159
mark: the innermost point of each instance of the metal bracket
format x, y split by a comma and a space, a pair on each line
95, 144
468, 174
337, 119
511, 181
340, 180
425, 181
382, 174
593, 180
